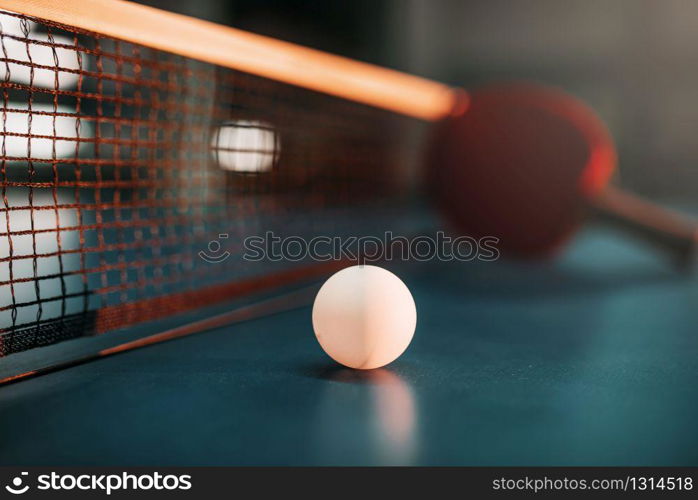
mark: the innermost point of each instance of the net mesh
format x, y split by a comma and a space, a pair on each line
130, 178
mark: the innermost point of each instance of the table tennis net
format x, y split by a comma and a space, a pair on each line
121, 166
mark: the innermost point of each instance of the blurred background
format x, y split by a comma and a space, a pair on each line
634, 61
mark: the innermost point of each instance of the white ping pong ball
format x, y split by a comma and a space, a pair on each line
364, 317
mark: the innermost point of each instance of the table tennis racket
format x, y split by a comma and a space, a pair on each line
529, 164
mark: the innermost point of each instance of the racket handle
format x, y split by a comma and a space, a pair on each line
673, 233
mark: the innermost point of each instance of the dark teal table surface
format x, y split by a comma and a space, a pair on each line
591, 360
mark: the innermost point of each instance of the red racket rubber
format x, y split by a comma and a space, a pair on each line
526, 163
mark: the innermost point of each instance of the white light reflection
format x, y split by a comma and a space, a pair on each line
23, 122
36, 54
44, 240
245, 146
368, 417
